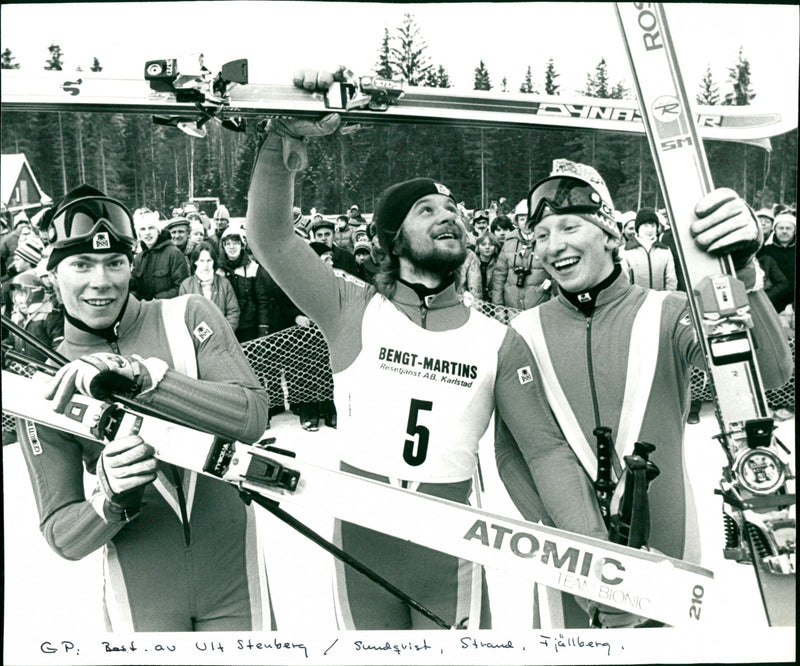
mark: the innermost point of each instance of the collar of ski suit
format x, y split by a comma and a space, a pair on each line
617, 289
405, 295
80, 337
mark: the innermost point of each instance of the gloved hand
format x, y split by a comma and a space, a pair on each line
294, 132
726, 225
124, 468
101, 374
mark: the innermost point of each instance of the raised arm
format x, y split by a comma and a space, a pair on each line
293, 265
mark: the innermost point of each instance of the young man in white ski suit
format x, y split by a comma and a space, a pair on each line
413, 391
180, 548
618, 355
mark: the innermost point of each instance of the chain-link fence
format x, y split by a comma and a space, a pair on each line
294, 366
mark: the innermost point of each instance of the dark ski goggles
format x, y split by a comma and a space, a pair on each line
82, 218
563, 195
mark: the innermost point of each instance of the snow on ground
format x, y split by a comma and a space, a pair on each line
54, 598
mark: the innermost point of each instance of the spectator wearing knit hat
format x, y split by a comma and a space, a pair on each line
649, 263
344, 236
766, 218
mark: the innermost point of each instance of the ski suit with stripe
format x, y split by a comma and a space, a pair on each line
627, 367
416, 381
190, 560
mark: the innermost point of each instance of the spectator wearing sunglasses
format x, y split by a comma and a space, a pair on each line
619, 355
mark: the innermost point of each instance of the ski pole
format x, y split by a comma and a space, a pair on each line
337, 552
261, 501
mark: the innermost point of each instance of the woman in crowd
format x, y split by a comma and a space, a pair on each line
487, 249
205, 281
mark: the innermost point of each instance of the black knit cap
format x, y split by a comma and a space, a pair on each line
646, 215
397, 200
87, 246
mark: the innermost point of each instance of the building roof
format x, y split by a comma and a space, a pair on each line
11, 167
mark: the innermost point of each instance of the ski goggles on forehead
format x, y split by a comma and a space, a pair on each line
562, 195
81, 219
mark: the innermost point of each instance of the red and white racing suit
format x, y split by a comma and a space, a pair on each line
190, 560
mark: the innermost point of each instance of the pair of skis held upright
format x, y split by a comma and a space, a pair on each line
757, 484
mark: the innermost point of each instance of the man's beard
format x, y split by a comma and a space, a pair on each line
437, 261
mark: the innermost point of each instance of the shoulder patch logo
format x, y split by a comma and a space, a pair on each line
202, 332
525, 375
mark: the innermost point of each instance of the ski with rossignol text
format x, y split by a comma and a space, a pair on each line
184, 93
643, 583
758, 483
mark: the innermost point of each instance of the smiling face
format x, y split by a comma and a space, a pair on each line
432, 238
232, 245
93, 286
784, 232
575, 253
147, 232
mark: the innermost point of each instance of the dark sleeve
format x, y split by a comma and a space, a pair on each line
261, 289
178, 271
524, 420
775, 282
227, 398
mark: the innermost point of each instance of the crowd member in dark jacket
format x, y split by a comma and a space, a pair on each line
249, 282
323, 231
776, 285
782, 247
160, 267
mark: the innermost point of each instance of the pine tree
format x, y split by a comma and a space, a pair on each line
597, 84
383, 66
408, 54
7, 60
54, 61
96, 66
527, 83
619, 91
437, 77
739, 78
482, 79
708, 94
550, 76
